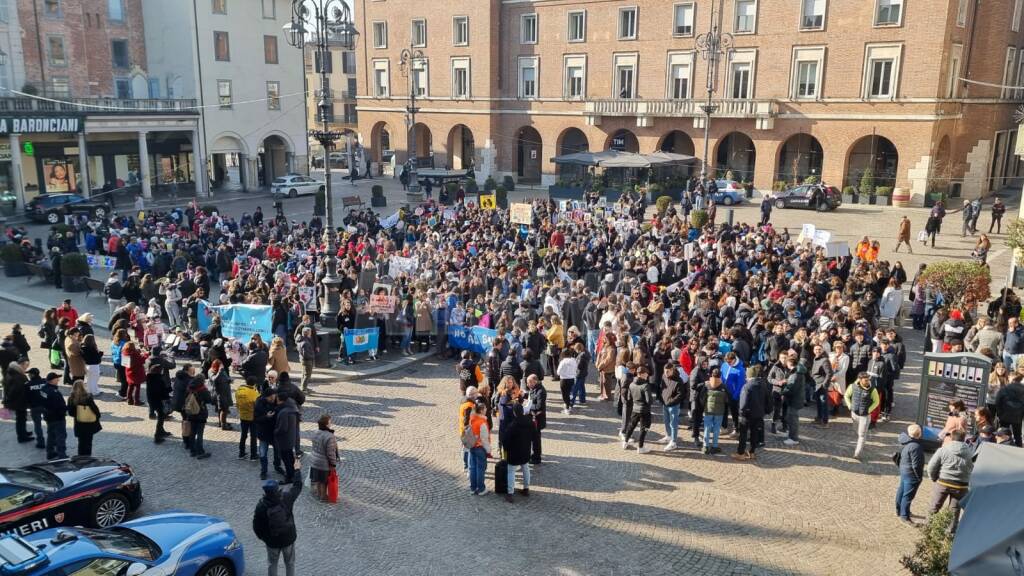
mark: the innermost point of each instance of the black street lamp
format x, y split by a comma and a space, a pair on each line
712, 44
323, 24
411, 59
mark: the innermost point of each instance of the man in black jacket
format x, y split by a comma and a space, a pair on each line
264, 422
911, 464
16, 398
274, 524
753, 398
517, 442
1010, 408
538, 399
54, 412
37, 402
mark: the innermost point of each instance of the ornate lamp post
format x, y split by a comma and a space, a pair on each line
323, 24
410, 59
712, 44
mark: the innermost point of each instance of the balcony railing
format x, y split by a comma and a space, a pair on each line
99, 105
724, 108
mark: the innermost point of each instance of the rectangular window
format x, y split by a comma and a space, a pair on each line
680, 81
380, 34
123, 88
1015, 21
60, 87
528, 77
739, 78
4, 12
460, 78
1020, 75
1008, 70
269, 9
420, 78
381, 82
577, 26
52, 8
627, 23
419, 33
807, 79
881, 70
348, 62
270, 49
812, 15
528, 29
746, 16
953, 83
115, 10
682, 24
220, 6
460, 30
221, 47
55, 51
224, 93
273, 95
575, 77
625, 76
961, 13
881, 78
154, 87
889, 13
119, 54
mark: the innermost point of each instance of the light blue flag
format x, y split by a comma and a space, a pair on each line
361, 340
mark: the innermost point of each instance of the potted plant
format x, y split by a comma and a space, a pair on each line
471, 186
508, 182
73, 270
883, 195
867, 186
849, 195
779, 186
698, 218
490, 184
931, 553
963, 284
14, 260
812, 179
377, 199
501, 197
662, 203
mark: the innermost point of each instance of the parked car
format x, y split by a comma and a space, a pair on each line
80, 490
294, 185
170, 544
52, 207
729, 192
818, 197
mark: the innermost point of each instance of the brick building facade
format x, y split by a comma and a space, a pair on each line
810, 87
84, 48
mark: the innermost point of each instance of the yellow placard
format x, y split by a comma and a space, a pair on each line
488, 202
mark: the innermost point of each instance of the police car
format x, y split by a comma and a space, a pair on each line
74, 491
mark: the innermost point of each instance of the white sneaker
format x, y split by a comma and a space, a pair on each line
631, 441
643, 450
625, 445
482, 492
790, 442
622, 436
662, 440
856, 454
566, 411
669, 447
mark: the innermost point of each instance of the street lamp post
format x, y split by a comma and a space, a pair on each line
713, 44
409, 60
323, 24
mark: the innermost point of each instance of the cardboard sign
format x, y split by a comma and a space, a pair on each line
521, 213
381, 304
488, 202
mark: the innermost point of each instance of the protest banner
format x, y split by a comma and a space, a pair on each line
238, 321
475, 339
307, 294
381, 304
806, 233
390, 221
521, 213
400, 265
108, 262
448, 214
821, 238
361, 340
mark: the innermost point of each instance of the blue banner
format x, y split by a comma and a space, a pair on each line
361, 340
474, 339
238, 321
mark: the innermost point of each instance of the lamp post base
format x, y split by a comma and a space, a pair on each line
329, 315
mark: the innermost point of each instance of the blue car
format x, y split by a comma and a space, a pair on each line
169, 544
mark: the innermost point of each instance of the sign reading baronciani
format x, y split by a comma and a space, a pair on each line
56, 125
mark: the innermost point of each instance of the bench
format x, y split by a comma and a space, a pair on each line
37, 271
93, 285
349, 201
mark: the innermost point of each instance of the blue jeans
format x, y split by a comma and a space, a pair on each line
477, 467
465, 459
512, 477
579, 391
406, 338
56, 439
264, 451
905, 494
37, 422
671, 414
821, 399
712, 426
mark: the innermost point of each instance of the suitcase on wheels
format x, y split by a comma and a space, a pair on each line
501, 478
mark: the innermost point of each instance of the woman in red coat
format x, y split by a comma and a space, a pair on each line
134, 361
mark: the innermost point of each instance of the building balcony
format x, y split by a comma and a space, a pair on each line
99, 106
762, 111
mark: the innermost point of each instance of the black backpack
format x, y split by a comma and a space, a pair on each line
278, 522
114, 290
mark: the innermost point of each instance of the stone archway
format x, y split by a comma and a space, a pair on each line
623, 140
736, 153
800, 157
529, 147
874, 154
677, 142
227, 156
461, 148
381, 143
571, 141
424, 140
274, 158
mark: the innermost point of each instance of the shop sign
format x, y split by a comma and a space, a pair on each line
42, 125
5, 152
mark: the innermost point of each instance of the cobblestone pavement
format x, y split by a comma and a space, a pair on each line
594, 509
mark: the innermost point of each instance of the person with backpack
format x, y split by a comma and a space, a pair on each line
86, 416
537, 401
264, 419
286, 433
197, 413
273, 521
477, 439
1010, 408
754, 397
640, 396
114, 291
158, 392
245, 399
517, 443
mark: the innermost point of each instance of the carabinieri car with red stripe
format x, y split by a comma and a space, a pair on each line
74, 491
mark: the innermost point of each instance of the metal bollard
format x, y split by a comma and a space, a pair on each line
729, 214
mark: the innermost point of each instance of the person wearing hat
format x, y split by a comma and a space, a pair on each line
16, 397
36, 402
1004, 436
54, 413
